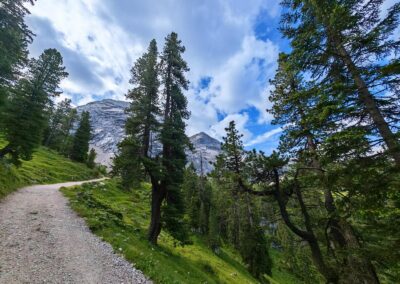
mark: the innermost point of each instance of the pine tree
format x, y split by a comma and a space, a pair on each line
243, 223
14, 39
91, 159
80, 147
190, 187
59, 125
128, 164
135, 159
25, 116
197, 192
313, 120
351, 35
266, 173
144, 108
174, 142
66, 127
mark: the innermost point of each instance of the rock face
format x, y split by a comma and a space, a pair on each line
107, 118
108, 121
206, 149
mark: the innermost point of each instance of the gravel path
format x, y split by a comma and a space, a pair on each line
43, 241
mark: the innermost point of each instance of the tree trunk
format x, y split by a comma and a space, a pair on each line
157, 197
328, 273
6, 150
370, 104
360, 269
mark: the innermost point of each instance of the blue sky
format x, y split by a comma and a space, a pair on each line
231, 48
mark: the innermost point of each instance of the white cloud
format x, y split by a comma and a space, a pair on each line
218, 129
100, 40
264, 137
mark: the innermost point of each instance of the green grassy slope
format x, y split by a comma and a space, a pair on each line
46, 167
121, 218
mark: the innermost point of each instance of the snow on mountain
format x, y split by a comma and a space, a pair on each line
108, 120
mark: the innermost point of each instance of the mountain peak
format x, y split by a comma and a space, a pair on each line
108, 119
205, 139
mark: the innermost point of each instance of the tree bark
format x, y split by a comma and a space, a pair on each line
369, 103
360, 268
329, 274
157, 198
6, 150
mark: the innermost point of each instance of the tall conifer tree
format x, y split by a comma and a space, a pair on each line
245, 231
312, 121
351, 35
174, 142
14, 39
26, 114
80, 146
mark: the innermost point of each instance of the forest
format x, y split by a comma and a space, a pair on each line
327, 199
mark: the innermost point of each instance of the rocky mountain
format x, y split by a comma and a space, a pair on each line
108, 120
206, 149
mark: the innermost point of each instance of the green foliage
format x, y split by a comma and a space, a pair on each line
172, 135
61, 121
80, 146
91, 159
137, 159
197, 192
14, 39
127, 164
345, 47
329, 95
25, 115
45, 167
241, 216
120, 217
144, 108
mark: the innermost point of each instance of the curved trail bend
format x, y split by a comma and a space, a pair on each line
43, 241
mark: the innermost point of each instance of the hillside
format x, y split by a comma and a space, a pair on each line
46, 167
121, 218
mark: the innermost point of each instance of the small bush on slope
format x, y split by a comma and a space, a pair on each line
121, 218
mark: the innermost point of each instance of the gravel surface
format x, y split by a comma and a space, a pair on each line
43, 241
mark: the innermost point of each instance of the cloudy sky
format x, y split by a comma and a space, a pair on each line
231, 48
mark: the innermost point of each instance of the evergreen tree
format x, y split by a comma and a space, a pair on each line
67, 125
137, 159
266, 174
197, 192
174, 142
351, 35
91, 159
190, 187
214, 232
129, 164
80, 146
313, 120
243, 224
14, 39
144, 108
25, 116
59, 126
